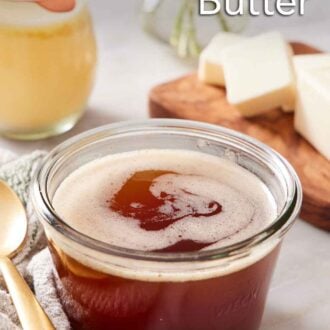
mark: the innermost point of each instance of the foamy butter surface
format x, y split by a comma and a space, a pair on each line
82, 199
30, 14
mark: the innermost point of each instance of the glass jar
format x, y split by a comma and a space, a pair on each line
47, 63
109, 287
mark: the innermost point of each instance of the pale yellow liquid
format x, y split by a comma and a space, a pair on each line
46, 69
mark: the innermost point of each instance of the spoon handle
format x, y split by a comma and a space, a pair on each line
29, 311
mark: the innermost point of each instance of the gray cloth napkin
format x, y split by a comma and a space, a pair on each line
34, 260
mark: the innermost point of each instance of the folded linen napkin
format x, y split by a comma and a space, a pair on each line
34, 260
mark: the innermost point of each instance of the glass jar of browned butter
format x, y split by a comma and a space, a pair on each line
165, 225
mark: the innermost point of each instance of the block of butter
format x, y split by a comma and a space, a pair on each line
259, 74
305, 62
312, 117
308, 61
210, 68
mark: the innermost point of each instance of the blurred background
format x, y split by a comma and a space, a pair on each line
131, 61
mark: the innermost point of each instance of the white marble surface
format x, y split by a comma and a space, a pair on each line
130, 63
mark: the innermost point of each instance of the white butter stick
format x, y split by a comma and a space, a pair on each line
313, 61
259, 74
312, 116
309, 61
210, 68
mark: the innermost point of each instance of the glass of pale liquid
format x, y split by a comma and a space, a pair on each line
165, 225
47, 63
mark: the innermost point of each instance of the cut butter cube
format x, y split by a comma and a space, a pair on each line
307, 61
303, 62
259, 74
210, 68
312, 117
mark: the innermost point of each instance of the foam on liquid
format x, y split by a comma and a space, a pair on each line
196, 180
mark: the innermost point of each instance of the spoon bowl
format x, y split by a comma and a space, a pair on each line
13, 224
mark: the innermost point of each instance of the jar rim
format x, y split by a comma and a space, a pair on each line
43, 206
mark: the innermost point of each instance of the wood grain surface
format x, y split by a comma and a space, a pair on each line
188, 98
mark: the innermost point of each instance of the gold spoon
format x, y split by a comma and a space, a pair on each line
13, 227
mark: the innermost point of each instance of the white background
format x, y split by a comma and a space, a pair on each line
130, 63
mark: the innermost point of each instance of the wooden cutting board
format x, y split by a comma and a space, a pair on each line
187, 98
